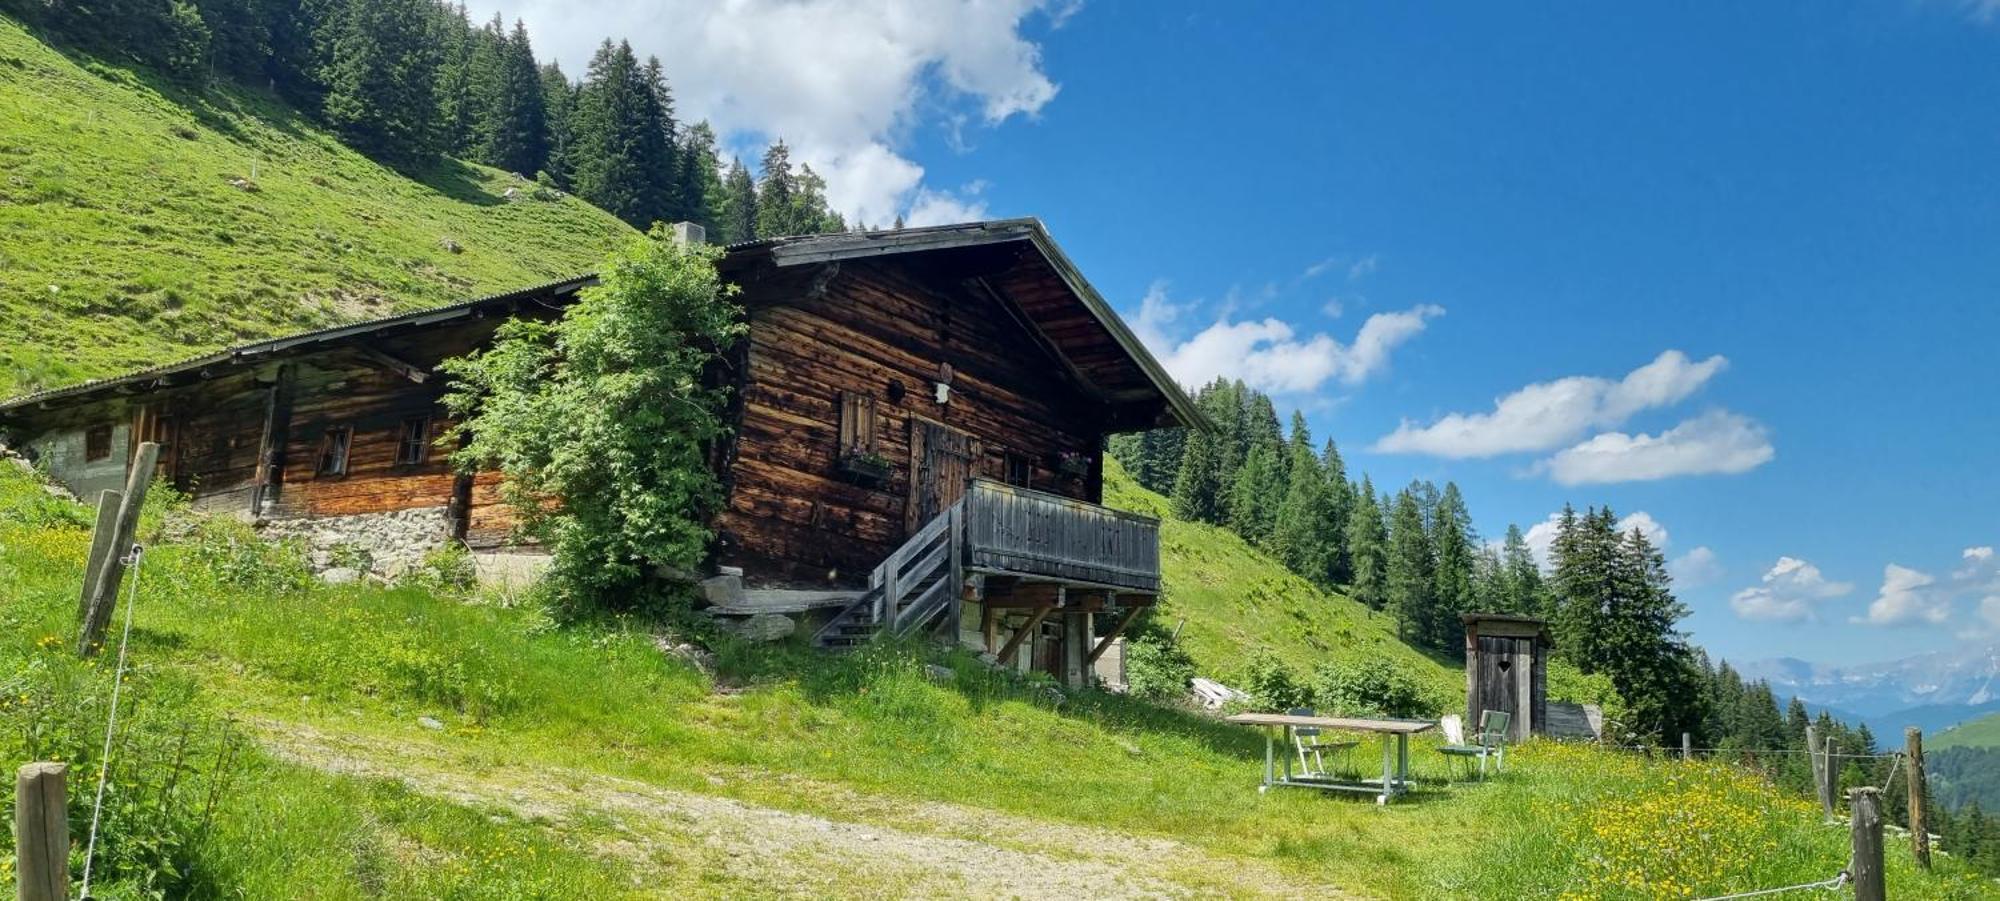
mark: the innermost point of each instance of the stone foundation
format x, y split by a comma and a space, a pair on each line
394, 542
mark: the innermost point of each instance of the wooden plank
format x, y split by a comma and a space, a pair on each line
1006, 655
1348, 724
1116, 630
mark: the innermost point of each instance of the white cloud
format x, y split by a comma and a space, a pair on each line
1989, 610
1363, 267
1332, 308
1541, 536
1546, 415
1790, 592
842, 81
1695, 568
1270, 355
945, 207
1714, 442
1318, 269
1907, 596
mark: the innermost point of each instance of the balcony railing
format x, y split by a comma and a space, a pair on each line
1019, 531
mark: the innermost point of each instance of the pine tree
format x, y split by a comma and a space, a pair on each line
381, 83
1452, 543
702, 189
1410, 568
739, 204
485, 58
1521, 576
777, 195
1196, 494
1253, 500
666, 177
558, 113
515, 129
1339, 507
620, 157
1301, 538
813, 216
1368, 547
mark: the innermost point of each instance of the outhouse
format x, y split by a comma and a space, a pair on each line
1506, 668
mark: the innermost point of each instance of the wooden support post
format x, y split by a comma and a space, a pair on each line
1920, 819
1013, 644
41, 832
104, 588
1818, 763
100, 545
1116, 630
1864, 809
1830, 768
1687, 746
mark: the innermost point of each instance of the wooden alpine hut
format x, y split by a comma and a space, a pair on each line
918, 417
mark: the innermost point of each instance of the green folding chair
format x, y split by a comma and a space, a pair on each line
1490, 741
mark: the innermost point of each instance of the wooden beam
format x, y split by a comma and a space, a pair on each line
1014, 643
394, 364
1131, 613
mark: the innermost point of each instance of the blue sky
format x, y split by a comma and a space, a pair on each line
1799, 199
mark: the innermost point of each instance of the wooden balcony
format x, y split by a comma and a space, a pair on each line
1013, 531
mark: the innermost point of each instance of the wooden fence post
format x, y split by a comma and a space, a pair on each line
100, 546
41, 832
1830, 768
1818, 764
104, 584
1920, 820
1866, 817
1687, 746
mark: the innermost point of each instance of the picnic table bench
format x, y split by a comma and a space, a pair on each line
1395, 752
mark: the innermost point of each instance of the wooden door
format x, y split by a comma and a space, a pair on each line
1498, 658
940, 463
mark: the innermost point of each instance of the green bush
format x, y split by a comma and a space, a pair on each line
1156, 668
1374, 686
446, 570
1271, 685
234, 555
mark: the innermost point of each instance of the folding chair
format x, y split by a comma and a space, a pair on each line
1309, 741
1491, 741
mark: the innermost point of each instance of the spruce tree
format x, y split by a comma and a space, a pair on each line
1338, 508
381, 81
1196, 494
515, 128
702, 188
457, 103
1368, 547
1520, 576
558, 113
777, 195
1253, 500
620, 157
1301, 537
1411, 568
1453, 544
739, 204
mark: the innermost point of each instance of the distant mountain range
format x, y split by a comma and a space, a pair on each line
1930, 691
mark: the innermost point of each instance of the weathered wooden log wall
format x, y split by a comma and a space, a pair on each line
884, 331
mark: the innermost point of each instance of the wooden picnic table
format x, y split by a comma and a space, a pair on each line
1395, 751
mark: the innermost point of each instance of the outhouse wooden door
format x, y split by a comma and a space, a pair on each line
940, 465
1499, 681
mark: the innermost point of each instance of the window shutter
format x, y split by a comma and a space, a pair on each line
857, 423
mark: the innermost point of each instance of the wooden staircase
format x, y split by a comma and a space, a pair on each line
917, 587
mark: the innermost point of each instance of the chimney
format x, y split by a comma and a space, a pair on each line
686, 233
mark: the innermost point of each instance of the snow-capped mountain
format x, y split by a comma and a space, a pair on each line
1946, 684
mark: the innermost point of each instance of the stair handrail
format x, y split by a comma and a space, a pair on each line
889, 581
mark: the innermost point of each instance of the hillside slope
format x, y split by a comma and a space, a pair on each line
1234, 601
1980, 733
409, 744
141, 223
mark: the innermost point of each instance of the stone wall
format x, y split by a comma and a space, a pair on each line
394, 541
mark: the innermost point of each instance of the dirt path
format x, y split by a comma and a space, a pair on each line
935, 849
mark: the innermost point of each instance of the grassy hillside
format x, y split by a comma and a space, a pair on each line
1980, 733
1236, 600
402, 743
140, 223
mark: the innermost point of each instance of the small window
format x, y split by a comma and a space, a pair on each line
413, 446
857, 425
333, 450
97, 443
1019, 469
